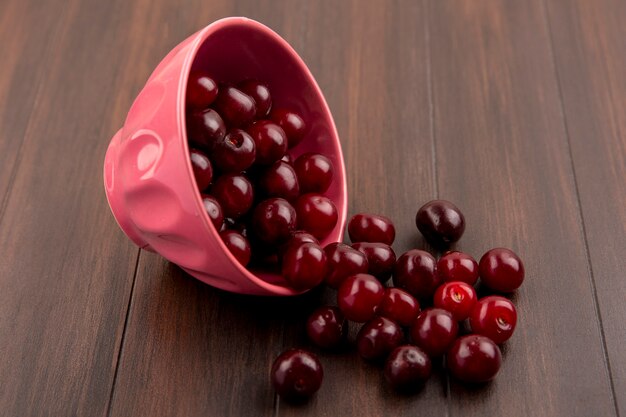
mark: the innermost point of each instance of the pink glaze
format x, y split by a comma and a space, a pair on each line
147, 173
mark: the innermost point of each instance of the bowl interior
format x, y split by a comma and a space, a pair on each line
245, 49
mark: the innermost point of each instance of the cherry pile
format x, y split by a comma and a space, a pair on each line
431, 312
269, 209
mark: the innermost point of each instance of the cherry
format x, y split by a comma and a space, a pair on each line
205, 128
458, 266
292, 124
494, 317
235, 152
297, 238
371, 228
315, 172
474, 358
260, 94
236, 108
501, 270
202, 168
408, 367
380, 257
304, 266
327, 327
214, 211
237, 245
399, 306
358, 297
441, 222
201, 90
316, 214
273, 220
457, 297
296, 374
279, 180
434, 331
234, 193
343, 261
378, 337
416, 272
270, 140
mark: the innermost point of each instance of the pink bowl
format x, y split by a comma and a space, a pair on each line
147, 173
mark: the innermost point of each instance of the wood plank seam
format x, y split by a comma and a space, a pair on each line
431, 105
579, 211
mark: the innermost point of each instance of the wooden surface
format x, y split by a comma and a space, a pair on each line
514, 110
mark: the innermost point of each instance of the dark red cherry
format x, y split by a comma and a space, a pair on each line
237, 245
407, 368
343, 261
201, 90
293, 125
273, 220
380, 257
234, 153
260, 94
399, 306
205, 127
236, 107
494, 317
296, 374
434, 331
458, 266
304, 266
202, 169
358, 297
457, 297
270, 140
416, 272
501, 270
327, 327
234, 193
371, 228
296, 239
315, 172
316, 214
279, 180
214, 210
378, 337
441, 222
474, 359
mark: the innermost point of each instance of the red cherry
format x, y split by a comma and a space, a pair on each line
236, 108
315, 172
270, 140
296, 374
214, 210
316, 214
202, 169
292, 124
296, 239
279, 180
234, 153
327, 327
234, 193
378, 337
260, 94
237, 245
380, 257
205, 127
458, 266
501, 270
399, 306
274, 220
434, 331
343, 261
441, 222
416, 272
494, 317
456, 297
358, 297
201, 90
371, 228
304, 266
474, 358
408, 367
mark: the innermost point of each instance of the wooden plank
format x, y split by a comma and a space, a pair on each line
502, 154
589, 41
67, 271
